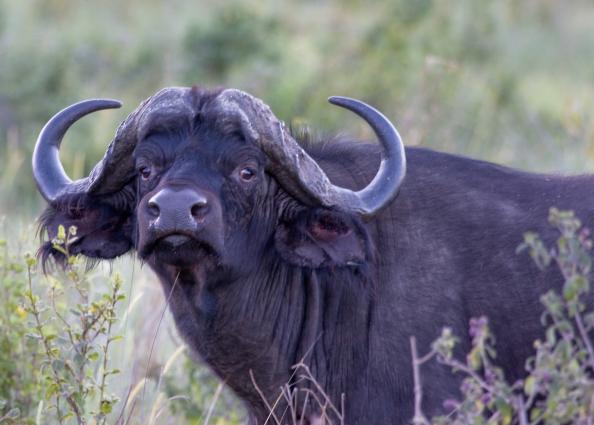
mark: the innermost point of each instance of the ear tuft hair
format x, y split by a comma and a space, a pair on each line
47, 255
102, 231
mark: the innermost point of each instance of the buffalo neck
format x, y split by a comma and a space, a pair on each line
254, 330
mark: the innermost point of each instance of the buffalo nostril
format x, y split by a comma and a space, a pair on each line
199, 208
153, 208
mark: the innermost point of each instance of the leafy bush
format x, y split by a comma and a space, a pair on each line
65, 336
19, 394
559, 386
61, 359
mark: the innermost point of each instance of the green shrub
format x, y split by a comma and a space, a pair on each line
19, 364
68, 356
559, 386
57, 345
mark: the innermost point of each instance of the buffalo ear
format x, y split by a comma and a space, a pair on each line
102, 232
322, 238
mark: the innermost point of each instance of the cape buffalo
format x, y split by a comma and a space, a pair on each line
274, 252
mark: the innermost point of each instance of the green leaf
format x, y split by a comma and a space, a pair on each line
506, 413
535, 414
106, 407
52, 389
529, 385
574, 287
474, 358
30, 260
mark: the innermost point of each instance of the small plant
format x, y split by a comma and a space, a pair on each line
19, 364
72, 329
559, 387
58, 345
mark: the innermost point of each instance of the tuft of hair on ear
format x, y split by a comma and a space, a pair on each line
52, 259
49, 258
47, 255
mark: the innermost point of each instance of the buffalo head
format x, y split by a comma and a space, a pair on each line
211, 178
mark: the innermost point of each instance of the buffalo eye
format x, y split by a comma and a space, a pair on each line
247, 174
145, 173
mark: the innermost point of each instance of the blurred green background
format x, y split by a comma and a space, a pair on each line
511, 81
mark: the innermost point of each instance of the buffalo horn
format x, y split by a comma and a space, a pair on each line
49, 174
299, 174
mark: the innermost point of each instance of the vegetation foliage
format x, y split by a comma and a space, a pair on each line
559, 386
60, 362
509, 81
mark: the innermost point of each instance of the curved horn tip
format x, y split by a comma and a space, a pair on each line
342, 100
347, 102
95, 104
116, 103
352, 104
106, 103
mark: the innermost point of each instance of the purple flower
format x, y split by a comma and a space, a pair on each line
451, 404
477, 326
486, 398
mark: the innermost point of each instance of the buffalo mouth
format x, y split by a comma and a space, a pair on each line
179, 249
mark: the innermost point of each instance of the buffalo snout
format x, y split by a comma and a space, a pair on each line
180, 223
177, 211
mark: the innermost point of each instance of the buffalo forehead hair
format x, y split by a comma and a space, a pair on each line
180, 115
